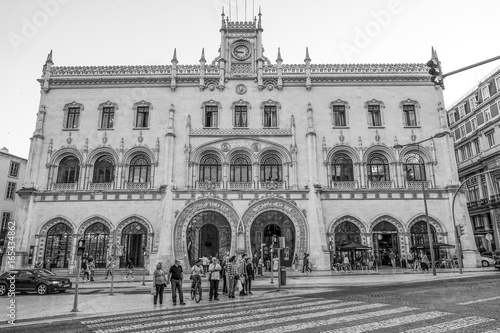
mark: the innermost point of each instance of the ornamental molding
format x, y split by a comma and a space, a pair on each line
340, 102
195, 207
240, 131
52, 222
275, 203
107, 104
95, 219
354, 220
142, 103
438, 227
73, 105
375, 102
270, 102
400, 227
409, 102
210, 103
241, 103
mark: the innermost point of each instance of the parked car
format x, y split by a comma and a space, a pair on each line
497, 264
36, 280
486, 260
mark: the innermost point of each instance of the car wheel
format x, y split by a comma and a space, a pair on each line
485, 263
42, 289
3, 289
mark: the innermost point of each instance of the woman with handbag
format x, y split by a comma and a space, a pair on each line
159, 283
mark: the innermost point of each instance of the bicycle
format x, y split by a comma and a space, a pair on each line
196, 291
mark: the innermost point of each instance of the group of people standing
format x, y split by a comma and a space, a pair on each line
231, 271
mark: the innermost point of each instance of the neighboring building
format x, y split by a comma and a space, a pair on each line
12, 171
205, 159
474, 120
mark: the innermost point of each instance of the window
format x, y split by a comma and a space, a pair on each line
240, 116
468, 149
5, 220
241, 169
108, 117
142, 117
68, 170
410, 118
487, 115
461, 110
457, 158
14, 169
342, 168
73, 118
58, 245
462, 131
210, 168
374, 117
451, 117
414, 168
477, 148
140, 169
104, 170
491, 138
473, 124
339, 118
270, 116
485, 92
462, 153
96, 245
378, 168
11, 191
472, 102
271, 168
211, 116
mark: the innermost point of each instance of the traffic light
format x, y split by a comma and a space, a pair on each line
81, 247
460, 230
435, 70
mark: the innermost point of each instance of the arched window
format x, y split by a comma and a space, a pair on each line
97, 239
271, 168
140, 169
210, 168
104, 169
419, 235
342, 168
346, 233
69, 170
241, 169
412, 166
58, 245
134, 239
378, 168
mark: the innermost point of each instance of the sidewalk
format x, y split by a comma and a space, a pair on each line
94, 298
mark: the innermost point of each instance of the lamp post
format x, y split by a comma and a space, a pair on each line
429, 232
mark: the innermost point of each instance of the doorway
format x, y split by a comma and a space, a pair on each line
385, 240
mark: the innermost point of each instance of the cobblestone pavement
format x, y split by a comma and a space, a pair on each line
465, 305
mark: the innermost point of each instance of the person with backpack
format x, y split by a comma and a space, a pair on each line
130, 267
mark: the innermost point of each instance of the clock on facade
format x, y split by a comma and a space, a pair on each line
241, 52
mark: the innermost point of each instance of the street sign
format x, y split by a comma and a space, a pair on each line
489, 237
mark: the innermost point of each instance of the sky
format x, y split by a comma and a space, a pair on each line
145, 32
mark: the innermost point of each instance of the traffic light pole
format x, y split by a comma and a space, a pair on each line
113, 258
471, 66
75, 303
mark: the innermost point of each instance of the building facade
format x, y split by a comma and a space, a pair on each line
12, 171
474, 120
219, 157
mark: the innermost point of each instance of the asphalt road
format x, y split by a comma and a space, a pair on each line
464, 305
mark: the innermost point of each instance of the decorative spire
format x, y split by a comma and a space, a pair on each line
259, 26
223, 24
174, 59
307, 59
279, 56
49, 58
202, 59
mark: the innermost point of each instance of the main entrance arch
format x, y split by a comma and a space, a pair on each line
283, 214
386, 231
194, 216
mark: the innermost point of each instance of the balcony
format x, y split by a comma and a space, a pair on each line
381, 185
344, 185
209, 185
100, 186
265, 185
417, 185
241, 185
63, 187
136, 186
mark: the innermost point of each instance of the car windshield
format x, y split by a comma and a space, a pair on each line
44, 272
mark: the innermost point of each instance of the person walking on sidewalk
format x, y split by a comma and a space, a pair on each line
130, 267
296, 262
305, 266
175, 277
223, 273
160, 282
232, 276
247, 288
204, 262
109, 267
91, 267
214, 270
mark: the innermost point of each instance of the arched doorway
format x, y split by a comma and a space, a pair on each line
96, 245
419, 239
385, 240
134, 238
347, 233
267, 225
208, 233
58, 245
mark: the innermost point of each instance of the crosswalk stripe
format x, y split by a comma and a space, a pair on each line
389, 323
495, 330
284, 318
229, 316
337, 320
451, 325
232, 305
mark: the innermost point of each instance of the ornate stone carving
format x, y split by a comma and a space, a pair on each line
241, 89
225, 147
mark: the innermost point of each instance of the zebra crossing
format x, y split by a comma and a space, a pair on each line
292, 314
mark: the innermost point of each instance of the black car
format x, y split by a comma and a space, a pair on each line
38, 280
497, 263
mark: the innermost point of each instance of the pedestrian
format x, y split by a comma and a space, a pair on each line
175, 277
214, 270
204, 262
403, 260
197, 271
424, 263
296, 262
85, 269
223, 273
242, 271
109, 267
347, 264
160, 282
91, 268
392, 257
305, 264
130, 267
371, 260
47, 265
250, 276
410, 260
261, 265
39, 264
232, 275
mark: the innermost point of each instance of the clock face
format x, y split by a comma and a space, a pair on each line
241, 52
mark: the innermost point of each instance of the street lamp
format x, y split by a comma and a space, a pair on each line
429, 233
